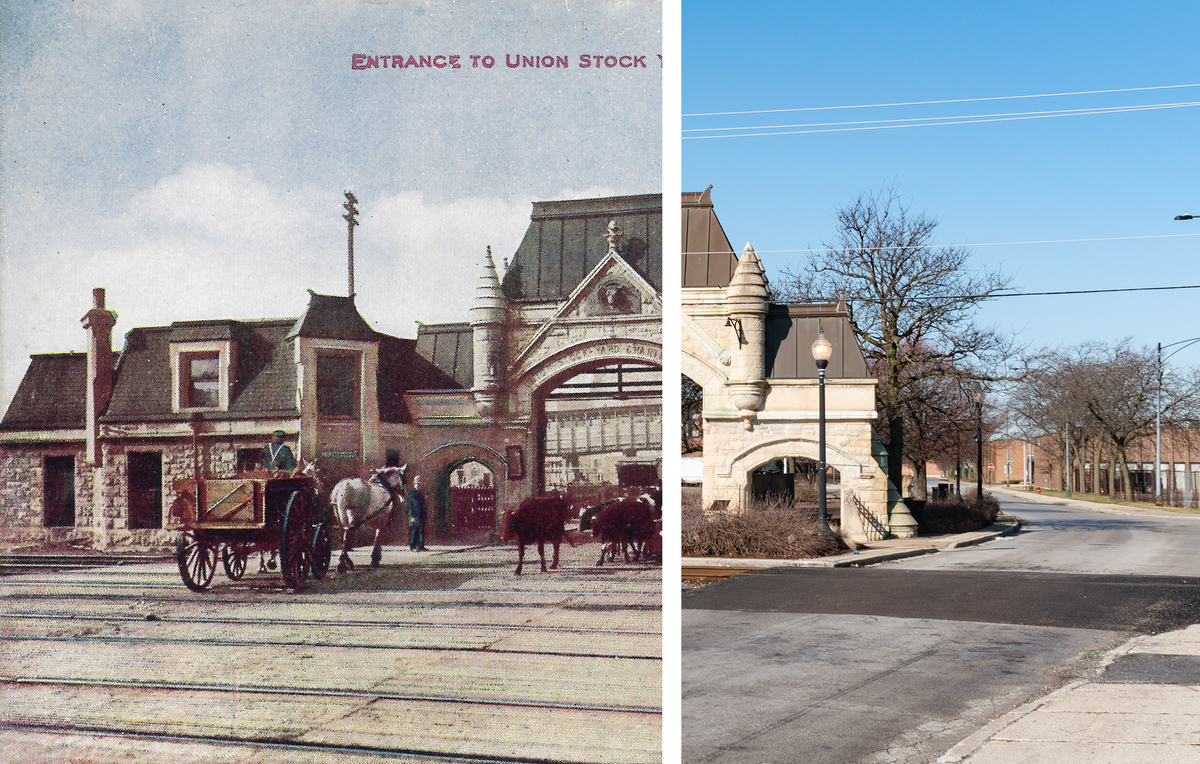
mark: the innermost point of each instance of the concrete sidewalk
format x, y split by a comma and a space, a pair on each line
1144, 707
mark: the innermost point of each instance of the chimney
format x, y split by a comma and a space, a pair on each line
98, 323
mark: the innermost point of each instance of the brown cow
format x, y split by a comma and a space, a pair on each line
625, 523
540, 519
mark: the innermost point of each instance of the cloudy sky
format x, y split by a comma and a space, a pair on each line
191, 158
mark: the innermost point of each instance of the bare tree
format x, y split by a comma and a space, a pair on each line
912, 303
1115, 391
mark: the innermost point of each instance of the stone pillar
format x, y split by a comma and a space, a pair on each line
488, 311
746, 303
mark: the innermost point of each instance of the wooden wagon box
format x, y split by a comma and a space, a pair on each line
221, 505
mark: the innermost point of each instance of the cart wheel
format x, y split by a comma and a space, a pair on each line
234, 559
322, 551
197, 558
295, 555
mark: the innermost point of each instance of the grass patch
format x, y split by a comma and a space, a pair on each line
1109, 500
766, 530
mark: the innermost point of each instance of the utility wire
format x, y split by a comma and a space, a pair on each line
1054, 112
997, 295
950, 100
939, 246
1119, 110
1091, 291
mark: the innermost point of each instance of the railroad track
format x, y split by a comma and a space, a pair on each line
705, 573
336, 752
561, 669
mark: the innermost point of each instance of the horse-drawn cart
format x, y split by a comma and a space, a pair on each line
235, 518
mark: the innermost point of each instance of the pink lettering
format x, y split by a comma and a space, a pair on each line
441, 65
397, 62
610, 61
474, 62
412, 61
585, 61
372, 62
639, 61
426, 61
624, 59
454, 63
357, 61
510, 63
488, 62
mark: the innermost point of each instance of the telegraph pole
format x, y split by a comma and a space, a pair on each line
351, 218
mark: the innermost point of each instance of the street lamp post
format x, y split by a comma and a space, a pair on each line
1158, 404
822, 350
979, 445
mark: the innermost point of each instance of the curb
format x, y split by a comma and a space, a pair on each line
866, 557
980, 738
977, 740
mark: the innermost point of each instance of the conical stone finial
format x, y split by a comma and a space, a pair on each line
749, 283
488, 305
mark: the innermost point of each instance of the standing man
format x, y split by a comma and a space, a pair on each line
277, 455
416, 517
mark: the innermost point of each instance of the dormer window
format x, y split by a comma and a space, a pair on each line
201, 380
202, 375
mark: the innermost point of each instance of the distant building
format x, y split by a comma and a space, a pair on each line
562, 366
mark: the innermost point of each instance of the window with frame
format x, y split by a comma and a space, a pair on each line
337, 385
200, 379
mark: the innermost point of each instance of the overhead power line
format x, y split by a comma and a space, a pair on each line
949, 100
1092, 291
939, 246
1053, 112
949, 121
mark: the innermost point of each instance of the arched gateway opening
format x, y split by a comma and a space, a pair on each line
600, 429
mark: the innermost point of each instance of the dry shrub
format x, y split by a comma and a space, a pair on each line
766, 530
959, 515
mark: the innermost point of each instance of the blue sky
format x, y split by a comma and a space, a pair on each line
1081, 177
191, 157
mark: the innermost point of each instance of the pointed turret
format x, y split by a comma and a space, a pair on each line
746, 302
488, 311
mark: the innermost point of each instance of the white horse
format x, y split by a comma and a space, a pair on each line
372, 503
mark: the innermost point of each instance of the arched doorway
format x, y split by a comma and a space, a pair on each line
470, 497
793, 480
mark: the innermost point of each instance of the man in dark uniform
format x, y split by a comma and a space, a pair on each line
416, 517
277, 455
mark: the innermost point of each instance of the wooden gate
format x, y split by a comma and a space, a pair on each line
472, 509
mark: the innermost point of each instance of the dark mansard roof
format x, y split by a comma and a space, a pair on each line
708, 260
51, 394
451, 349
566, 240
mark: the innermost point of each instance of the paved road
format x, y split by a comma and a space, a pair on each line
446, 657
900, 661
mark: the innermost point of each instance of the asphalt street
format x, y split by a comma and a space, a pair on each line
899, 662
